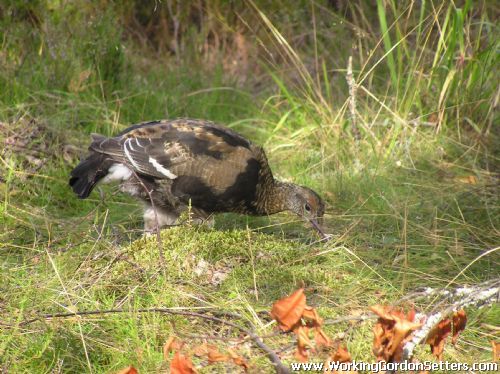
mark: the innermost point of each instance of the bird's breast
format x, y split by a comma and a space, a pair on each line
220, 186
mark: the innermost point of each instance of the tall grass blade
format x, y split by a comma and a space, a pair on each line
382, 16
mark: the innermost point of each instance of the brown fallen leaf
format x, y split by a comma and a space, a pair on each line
389, 313
313, 320
201, 350
437, 337
288, 311
181, 364
459, 322
311, 315
237, 359
321, 339
215, 356
292, 314
392, 330
303, 343
496, 351
380, 337
171, 345
342, 355
410, 316
76, 83
128, 370
468, 179
402, 331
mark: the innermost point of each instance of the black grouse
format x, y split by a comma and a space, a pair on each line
191, 163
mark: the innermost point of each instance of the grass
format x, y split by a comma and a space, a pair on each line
412, 203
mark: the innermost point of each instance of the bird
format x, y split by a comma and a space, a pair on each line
180, 164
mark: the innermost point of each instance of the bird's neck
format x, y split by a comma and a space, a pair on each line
275, 199
272, 196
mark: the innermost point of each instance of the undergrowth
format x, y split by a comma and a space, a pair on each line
405, 155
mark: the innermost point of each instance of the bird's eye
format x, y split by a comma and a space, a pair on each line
307, 207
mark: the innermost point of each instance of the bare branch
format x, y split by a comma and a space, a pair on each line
480, 295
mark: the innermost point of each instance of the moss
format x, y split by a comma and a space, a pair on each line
208, 256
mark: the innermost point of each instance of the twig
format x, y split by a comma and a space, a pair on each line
352, 100
273, 357
205, 337
175, 19
362, 317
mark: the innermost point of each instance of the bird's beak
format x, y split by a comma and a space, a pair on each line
317, 227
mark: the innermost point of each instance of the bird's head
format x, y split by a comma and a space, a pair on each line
307, 204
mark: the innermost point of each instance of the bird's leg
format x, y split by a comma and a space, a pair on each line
162, 217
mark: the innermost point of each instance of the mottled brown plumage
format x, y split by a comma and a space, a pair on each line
191, 162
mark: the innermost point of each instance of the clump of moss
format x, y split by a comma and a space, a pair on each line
197, 261
211, 242
203, 255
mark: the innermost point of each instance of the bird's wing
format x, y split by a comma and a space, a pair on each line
147, 156
162, 150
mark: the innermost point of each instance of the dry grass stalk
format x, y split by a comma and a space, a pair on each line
352, 100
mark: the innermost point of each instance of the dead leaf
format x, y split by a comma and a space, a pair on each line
437, 336
181, 364
292, 313
237, 359
433, 118
215, 356
379, 341
288, 311
219, 275
128, 370
303, 343
321, 339
389, 313
75, 85
410, 316
459, 322
468, 179
201, 350
312, 316
201, 268
172, 345
341, 355
391, 332
496, 351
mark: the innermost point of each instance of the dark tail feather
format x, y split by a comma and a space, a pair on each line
88, 172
